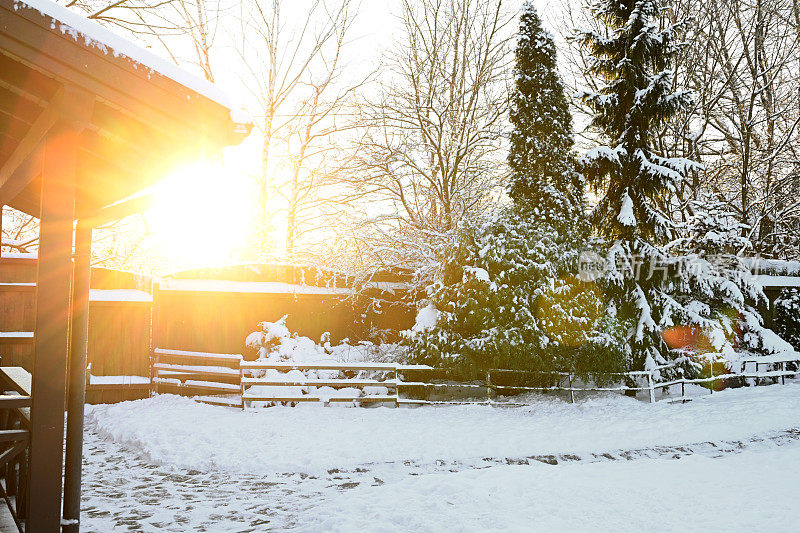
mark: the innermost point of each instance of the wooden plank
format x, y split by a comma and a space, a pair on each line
191, 369
13, 401
364, 399
16, 378
263, 365
256, 398
204, 357
190, 384
11, 435
225, 402
313, 398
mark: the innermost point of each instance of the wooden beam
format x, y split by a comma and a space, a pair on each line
53, 295
21, 167
65, 104
25, 149
77, 377
119, 210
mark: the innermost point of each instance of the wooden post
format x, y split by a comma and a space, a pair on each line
51, 337
396, 387
77, 377
571, 392
489, 386
650, 386
711, 367
241, 380
154, 336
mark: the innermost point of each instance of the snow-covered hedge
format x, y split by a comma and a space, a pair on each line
504, 299
787, 316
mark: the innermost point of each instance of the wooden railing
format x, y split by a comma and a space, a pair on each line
15, 403
390, 374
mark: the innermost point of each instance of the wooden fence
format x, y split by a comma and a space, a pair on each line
200, 375
119, 325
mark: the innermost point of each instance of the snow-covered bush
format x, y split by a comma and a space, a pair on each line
787, 316
273, 342
504, 299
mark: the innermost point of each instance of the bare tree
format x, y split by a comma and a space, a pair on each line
433, 147
161, 22
295, 55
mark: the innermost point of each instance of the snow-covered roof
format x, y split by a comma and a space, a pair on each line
119, 295
264, 287
95, 35
778, 281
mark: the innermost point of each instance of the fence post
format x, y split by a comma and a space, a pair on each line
154, 340
241, 379
396, 387
711, 366
650, 386
489, 386
571, 392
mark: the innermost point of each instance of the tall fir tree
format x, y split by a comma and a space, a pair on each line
646, 283
544, 183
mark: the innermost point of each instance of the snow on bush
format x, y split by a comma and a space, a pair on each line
273, 342
787, 316
426, 320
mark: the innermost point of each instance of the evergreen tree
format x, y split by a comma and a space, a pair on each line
636, 183
543, 179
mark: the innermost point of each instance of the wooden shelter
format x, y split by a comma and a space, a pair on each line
87, 120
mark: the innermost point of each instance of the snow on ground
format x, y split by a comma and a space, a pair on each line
311, 439
728, 461
753, 491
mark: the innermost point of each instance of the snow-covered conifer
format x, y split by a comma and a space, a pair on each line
637, 186
543, 178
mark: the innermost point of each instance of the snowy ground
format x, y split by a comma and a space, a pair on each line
607, 463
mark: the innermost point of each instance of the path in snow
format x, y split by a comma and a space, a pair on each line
124, 492
170, 464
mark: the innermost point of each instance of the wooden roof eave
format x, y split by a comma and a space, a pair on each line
142, 124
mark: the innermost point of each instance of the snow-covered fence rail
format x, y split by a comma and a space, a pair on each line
285, 381
195, 373
227, 379
652, 378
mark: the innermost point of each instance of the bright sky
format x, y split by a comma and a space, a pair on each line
193, 224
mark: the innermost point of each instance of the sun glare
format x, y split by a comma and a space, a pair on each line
201, 215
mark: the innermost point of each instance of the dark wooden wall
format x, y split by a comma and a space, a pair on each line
220, 321
119, 338
17, 309
119, 332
